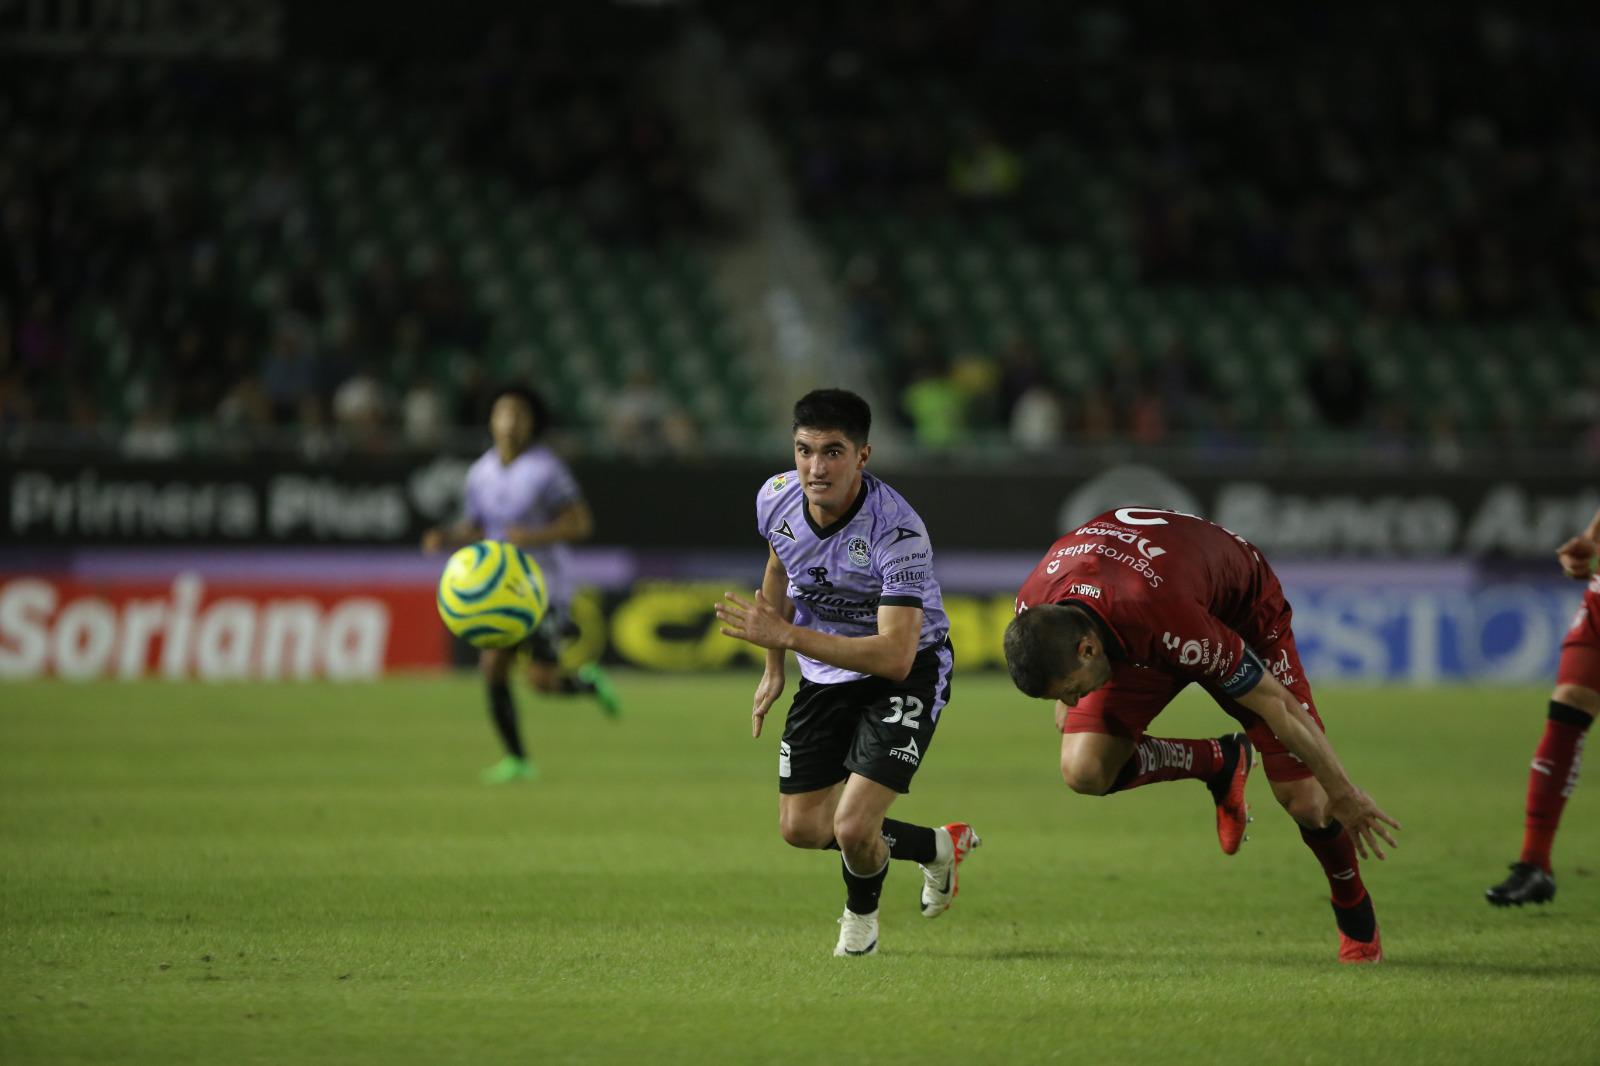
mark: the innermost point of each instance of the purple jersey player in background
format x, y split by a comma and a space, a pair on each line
850, 589
520, 492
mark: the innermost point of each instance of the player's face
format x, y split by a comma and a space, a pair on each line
1093, 670
510, 424
830, 466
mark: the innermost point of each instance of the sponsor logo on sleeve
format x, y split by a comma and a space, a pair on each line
779, 482
1084, 590
902, 533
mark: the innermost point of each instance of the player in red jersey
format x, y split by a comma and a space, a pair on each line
1573, 705
1129, 608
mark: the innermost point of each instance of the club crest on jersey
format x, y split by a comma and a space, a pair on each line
858, 551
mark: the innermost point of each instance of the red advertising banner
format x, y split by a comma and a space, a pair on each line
189, 627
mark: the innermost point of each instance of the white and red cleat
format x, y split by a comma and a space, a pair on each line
940, 878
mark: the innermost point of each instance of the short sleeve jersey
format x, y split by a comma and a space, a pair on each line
876, 554
531, 490
1173, 590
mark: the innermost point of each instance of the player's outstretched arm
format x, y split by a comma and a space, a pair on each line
775, 589
1352, 807
449, 538
1580, 556
573, 523
888, 653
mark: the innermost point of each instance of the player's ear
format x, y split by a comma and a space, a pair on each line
861, 460
1086, 649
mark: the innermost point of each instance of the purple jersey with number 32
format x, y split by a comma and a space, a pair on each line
876, 554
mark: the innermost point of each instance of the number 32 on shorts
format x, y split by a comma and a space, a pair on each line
906, 710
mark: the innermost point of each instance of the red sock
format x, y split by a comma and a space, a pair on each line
1337, 853
1159, 759
1552, 779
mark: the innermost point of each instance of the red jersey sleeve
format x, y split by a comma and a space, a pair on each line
1195, 644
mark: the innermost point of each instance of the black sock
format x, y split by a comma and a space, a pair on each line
1327, 832
907, 841
1218, 782
571, 685
861, 893
1560, 712
1358, 922
503, 709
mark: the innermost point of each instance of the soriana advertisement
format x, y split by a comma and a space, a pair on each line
193, 626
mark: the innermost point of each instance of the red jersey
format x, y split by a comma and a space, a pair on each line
1174, 591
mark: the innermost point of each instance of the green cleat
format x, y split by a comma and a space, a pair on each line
509, 769
604, 691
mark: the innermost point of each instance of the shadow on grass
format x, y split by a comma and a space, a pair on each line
1453, 967
1260, 958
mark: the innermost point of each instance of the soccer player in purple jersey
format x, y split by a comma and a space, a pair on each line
520, 492
849, 588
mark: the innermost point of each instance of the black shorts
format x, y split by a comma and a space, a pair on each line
544, 644
874, 727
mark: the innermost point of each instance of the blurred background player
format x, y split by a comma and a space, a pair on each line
1120, 616
1573, 705
867, 623
520, 492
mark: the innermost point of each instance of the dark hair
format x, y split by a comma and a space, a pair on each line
1042, 645
530, 396
838, 409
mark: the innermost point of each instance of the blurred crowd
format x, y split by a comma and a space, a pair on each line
1442, 159
170, 274
1438, 163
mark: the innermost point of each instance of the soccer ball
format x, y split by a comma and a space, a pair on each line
491, 594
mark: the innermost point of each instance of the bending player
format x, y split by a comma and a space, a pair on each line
520, 492
1573, 706
849, 588
1127, 610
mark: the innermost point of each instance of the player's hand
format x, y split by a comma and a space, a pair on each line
1578, 558
756, 621
767, 693
1365, 821
433, 540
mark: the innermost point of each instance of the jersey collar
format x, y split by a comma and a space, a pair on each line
824, 532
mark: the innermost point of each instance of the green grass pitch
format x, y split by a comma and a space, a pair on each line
311, 873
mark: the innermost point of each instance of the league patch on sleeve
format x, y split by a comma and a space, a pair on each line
1246, 677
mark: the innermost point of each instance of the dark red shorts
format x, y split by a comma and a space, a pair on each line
1127, 704
1580, 649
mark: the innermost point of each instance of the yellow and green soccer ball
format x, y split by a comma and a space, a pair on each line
491, 594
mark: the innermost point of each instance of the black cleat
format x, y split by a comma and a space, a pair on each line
1527, 884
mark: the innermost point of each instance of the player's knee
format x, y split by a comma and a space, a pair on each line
1309, 808
494, 666
856, 832
804, 833
1584, 699
1085, 777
